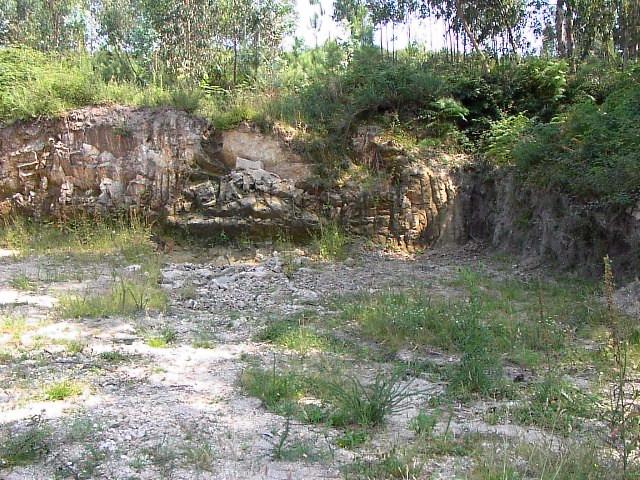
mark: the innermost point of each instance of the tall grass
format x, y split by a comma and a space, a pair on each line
129, 237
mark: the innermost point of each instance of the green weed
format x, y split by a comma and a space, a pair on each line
201, 456
74, 347
279, 391
82, 428
22, 282
293, 334
331, 242
113, 357
84, 466
131, 295
391, 465
351, 439
62, 390
570, 461
423, 424
14, 326
480, 368
81, 236
367, 405
165, 337
557, 405
302, 451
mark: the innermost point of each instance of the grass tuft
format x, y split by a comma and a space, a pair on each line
22, 282
355, 403
294, 335
162, 339
62, 390
331, 242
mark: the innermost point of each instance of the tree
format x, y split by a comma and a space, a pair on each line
44, 24
479, 21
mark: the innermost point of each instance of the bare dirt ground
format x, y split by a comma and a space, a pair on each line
177, 411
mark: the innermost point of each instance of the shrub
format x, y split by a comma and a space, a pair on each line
503, 136
591, 152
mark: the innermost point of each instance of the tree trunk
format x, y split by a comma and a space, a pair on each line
474, 41
568, 30
235, 60
560, 45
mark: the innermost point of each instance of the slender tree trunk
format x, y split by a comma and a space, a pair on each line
568, 30
623, 32
474, 41
235, 60
386, 31
512, 41
560, 44
393, 41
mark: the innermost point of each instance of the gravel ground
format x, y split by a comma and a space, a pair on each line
177, 412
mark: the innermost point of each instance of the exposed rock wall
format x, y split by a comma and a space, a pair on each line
549, 226
252, 201
418, 207
114, 158
101, 158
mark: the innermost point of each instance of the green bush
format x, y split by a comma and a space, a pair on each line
34, 84
503, 136
591, 153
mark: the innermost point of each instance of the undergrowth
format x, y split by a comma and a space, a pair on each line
26, 446
129, 293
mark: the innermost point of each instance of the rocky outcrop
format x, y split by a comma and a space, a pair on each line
249, 200
108, 159
103, 158
418, 207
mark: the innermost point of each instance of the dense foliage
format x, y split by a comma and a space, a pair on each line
592, 151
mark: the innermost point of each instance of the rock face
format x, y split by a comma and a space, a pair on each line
252, 201
419, 207
267, 152
107, 159
548, 226
115, 158
102, 158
